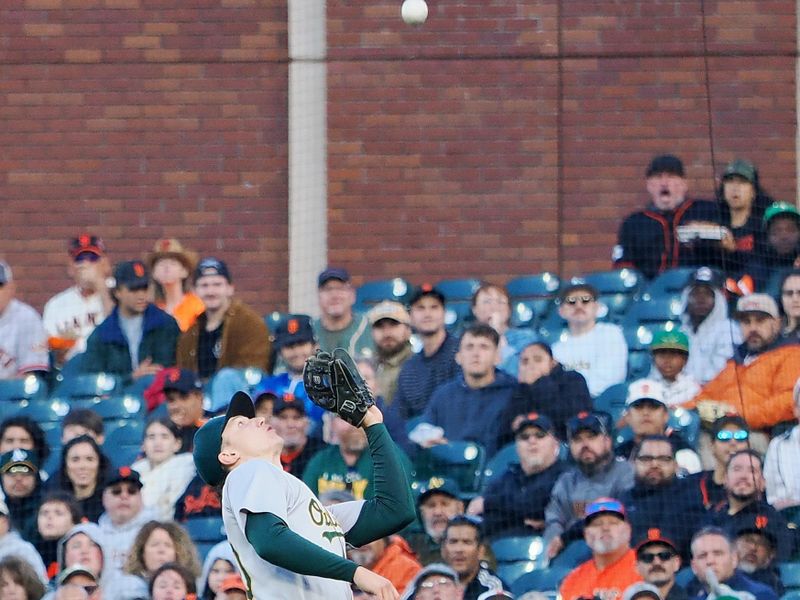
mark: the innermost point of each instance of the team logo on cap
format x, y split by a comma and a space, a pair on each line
532, 416
654, 533
138, 268
84, 240
19, 455
164, 245
761, 521
704, 274
293, 326
174, 375
583, 414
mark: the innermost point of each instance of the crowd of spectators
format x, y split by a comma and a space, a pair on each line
620, 500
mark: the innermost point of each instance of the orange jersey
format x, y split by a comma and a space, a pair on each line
187, 310
587, 581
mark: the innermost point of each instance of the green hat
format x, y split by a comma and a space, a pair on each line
208, 439
740, 168
780, 208
670, 340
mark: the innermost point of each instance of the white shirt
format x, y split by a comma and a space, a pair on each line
782, 468
258, 486
23, 342
164, 484
600, 355
71, 315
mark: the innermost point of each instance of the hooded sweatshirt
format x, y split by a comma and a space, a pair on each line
11, 544
222, 551
712, 343
119, 538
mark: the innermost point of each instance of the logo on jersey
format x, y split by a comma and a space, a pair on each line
322, 518
332, 535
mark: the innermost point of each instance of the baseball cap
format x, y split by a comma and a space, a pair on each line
5, 273
586, 420
762, 303
132, 274
294, 330
645, 389
601, 506
665, 163
747, 522
426, 289
19, 461
208, 439
124, 475
389, 309
706, 276
740, 168
182, 380
333, 273
286, 400
233, 582
726, 420
670, 340
575, 284
534, 419
86, 243
780, 208
438, 485
212, 266
641, 590
425, 572
77, 569
655, 535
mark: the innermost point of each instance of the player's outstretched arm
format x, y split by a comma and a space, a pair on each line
392, 508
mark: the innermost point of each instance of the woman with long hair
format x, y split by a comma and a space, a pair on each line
159, 543
172, 266
82, 473
790, 304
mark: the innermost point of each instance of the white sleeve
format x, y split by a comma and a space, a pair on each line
346, 513
32, 343
257, 487
776, 489
613, 367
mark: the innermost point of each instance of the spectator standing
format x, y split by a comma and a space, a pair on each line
71, 316
657, 561
757, 382
391, 331
596, 473
790, 305
172, 266
23, 341
338, 326
470, 406
782, 250
782, 465
704, 320
137, 339
595, 350
652, 240
435, 364
544, 386
670, 352
228, 335
612, 567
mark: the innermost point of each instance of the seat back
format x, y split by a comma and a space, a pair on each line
499, 463
459, 460
541, 580
373, 292
458, 289
29, 387
87, 385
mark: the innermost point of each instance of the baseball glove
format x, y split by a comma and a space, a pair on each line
333, 382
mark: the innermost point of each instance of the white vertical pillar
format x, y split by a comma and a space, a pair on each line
308, 156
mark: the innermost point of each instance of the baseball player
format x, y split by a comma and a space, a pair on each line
289, 546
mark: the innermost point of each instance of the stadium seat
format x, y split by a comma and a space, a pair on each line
497, 465
29, 387
687, 423
542, 580
684, 576
457, 315
791, 595
457, 289
612, 401
658, 310
668, 283
527, 313
87, 385
123, 444
639, 364
638, 336
518, 555
274, 320
532, 297
617, 289
462, 461
373, 292
790, 575
114, 408
551, 328
43, 411
205, 532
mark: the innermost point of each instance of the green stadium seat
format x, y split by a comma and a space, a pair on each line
551, 328
462, 461
87, 385
497, 465
373, 292
116, 407
457, 289
639, 335
616, 281
541, 580
541, 285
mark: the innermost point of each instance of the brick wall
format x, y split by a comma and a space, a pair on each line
454, 148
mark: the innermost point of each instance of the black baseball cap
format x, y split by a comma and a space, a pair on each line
208, 439
336, 273
124, 475
587, 420
426, 289
287, 400
665, 163
182, 380
707, 277
534, 419
132, 274
86, 243
212, 266
655, 535
438, 485
294, 330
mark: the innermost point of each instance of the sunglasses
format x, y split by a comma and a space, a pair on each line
131, 490
526, 435
726, 435
572, 300
86, 257
649, 557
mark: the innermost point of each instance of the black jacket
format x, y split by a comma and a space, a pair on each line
737, 582
648, 241
763, 265
771, 521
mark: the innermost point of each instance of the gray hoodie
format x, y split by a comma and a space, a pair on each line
11, 544
222, 551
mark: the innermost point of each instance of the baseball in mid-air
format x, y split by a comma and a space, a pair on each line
414, 12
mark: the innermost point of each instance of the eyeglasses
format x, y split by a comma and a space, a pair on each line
649, 557
790, 293
572, 300
131, 490
662, 460
726, 435
434, 583
526, 435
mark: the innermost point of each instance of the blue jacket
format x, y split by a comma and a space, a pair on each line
738, 582
468, 414
107, 348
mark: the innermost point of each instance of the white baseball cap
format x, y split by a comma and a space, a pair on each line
645, 389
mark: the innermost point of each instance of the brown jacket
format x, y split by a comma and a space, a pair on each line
245, 340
